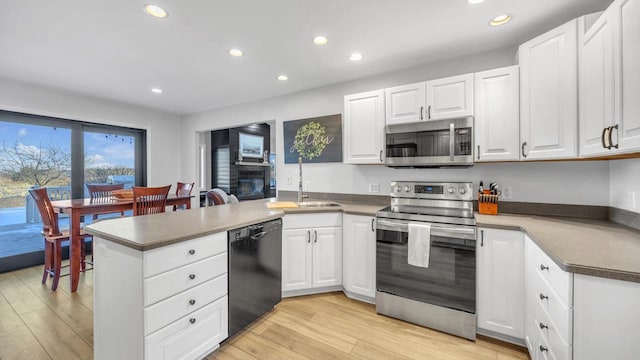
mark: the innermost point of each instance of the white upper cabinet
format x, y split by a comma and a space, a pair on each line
626, 53
548, 95
405, 104
364, 128
596, 73
450, 97
497, 114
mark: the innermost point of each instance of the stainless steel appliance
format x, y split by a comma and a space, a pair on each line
255, 272
432, 143
441, 296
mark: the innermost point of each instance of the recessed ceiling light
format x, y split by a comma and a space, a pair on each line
473, 2
320, 40
236, 52
155, 11
156, 90
355, 57
283, 77
500, 20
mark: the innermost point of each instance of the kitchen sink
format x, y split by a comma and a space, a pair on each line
318, 204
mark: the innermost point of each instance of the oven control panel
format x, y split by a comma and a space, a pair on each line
429, 190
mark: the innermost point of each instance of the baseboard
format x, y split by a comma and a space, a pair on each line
293, 293
359, 297
497, 337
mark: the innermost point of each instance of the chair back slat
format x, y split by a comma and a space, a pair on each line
184, 189
214, 198
49, 217
149, 200
99, 192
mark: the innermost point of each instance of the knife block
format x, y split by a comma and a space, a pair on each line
488, 203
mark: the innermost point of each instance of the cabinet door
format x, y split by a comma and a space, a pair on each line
405, 104
359, 255
501, 282
364, 128
450, 97
627, 87
296, 259
497, 114
596, 72
549, 99
327, 256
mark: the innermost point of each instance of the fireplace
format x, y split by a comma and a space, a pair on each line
252, 181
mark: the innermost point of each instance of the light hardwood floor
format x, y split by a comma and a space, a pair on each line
37, 323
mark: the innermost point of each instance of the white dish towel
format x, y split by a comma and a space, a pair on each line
419, 243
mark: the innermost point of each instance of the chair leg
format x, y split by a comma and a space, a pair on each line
48, 261
83, 264
57, 264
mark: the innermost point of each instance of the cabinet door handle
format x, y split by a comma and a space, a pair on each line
429, 112
543, 326
372, 228
524, 144
543, 349
478, 152
309, 236
421, 112
543, 268
381, 156
481, 237
192, 320
315, 236
192, 252
543, 297
611, 135
192, 276
604, 137
192, 302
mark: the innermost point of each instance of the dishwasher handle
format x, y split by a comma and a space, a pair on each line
259, 235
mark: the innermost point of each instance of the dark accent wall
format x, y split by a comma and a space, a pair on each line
228, 138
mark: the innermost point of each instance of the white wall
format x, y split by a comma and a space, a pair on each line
163, 154
625, 184
561, 182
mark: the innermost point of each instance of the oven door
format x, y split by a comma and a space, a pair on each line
450, 279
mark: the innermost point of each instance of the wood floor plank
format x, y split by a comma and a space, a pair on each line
21, 344
368, 351
230, 352
263, 349
19, 296
9, 320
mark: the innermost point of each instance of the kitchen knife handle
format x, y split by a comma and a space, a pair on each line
421, 112
478, 152
481, 237
524, 144
611, 135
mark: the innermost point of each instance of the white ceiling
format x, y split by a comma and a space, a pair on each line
114, 50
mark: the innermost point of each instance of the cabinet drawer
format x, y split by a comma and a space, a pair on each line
191, 337
546, 299
170, 257
172, 282
551, 334
560, 281
305, 221
165, 312
555, 349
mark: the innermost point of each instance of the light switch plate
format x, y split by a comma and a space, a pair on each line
374, 188
507, 193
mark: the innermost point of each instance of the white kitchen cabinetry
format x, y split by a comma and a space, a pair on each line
311, 253
450, 97
606, 318
501, 283
548, 95
359, 257
405, 104
166, 303
497, 114
549, 306
364, 128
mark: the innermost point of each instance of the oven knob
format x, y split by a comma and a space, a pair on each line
462, 190
450, 190
407, 188
398, 188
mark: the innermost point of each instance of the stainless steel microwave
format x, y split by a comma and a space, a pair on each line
431, 143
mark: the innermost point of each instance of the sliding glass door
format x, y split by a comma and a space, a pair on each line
63, 156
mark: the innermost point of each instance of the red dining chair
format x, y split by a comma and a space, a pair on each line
102, 193
149, 200
183, 189
214, 197
53, 238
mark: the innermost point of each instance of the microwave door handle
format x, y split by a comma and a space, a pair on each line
452, 138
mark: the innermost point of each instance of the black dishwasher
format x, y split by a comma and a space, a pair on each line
255, 272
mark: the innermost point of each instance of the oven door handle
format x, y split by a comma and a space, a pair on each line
466, 232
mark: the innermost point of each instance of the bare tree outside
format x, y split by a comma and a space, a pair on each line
94, 175
36, 165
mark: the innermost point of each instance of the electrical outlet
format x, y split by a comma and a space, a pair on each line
632, 199
374, 188
307, 185
507, 193
289, 180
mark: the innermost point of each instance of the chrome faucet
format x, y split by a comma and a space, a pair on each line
301, 196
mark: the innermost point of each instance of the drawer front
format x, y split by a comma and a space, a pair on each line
191, 337
560, 280
169, 257
557, 345
547, 350
172, 282
542, 296
167, 311
305, 221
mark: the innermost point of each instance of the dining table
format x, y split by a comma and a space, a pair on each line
77, 208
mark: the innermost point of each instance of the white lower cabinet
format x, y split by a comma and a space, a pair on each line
166, 303
500, 288
311, 252
359, 256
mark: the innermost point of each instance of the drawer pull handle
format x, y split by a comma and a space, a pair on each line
543, 297
192, 302
192, 276
543, 326
192, 320
192, 252
543, 268
543, 349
